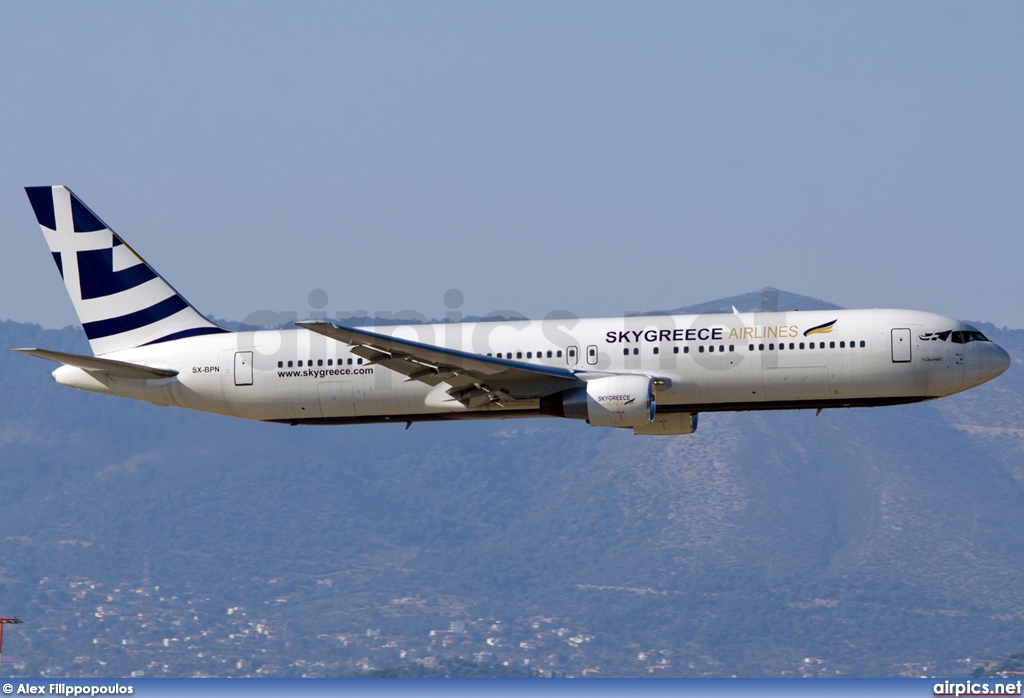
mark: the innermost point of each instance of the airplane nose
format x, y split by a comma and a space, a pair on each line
1000, 360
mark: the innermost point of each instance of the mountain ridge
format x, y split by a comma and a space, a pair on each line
872, 540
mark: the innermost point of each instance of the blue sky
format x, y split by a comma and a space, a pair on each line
594, 157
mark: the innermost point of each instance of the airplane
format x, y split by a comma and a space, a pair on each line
651, 374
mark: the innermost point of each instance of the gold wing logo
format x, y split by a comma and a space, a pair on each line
821, 329
629, 402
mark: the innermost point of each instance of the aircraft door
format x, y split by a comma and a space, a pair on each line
572, 355
592, 355
243, 368
901, 346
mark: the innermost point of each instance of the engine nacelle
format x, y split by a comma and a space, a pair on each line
614, 401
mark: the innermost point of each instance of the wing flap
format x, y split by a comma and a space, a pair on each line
121, 369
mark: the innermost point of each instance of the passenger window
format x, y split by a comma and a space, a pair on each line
831, 345
280, 364
760, 347
700, 349
636, 351
519, 354
801, 345
711, 349
842, 345
686, 350
625, 351
350, 362
549, 353
529, 354
289, 364
675, 350
319, 362
750, 348
330, 362
771, 347
791, 345
359, 361
781, 347
862, 343
300, 363
559, 353
721, 348
655, 350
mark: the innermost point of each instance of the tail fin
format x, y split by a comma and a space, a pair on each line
120, 300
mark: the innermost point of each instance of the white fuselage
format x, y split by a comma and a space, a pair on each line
699, 363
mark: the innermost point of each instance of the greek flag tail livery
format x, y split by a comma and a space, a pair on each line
651, 374
121, 301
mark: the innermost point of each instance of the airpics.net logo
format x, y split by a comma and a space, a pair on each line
977, 688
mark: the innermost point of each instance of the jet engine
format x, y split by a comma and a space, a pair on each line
613, 401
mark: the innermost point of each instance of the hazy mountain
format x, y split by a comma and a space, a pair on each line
869, 542
766, 299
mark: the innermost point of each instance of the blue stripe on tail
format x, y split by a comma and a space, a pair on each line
41, 199
85, 220
97, 277
133, 321
195, 332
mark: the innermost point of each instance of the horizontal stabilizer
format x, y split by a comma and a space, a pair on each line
120, 369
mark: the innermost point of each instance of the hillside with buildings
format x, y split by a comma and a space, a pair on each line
145, 541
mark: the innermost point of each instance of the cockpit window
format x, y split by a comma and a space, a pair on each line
965, 336
975, 335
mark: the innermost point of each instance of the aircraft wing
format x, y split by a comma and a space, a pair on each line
475, 379
121, 369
